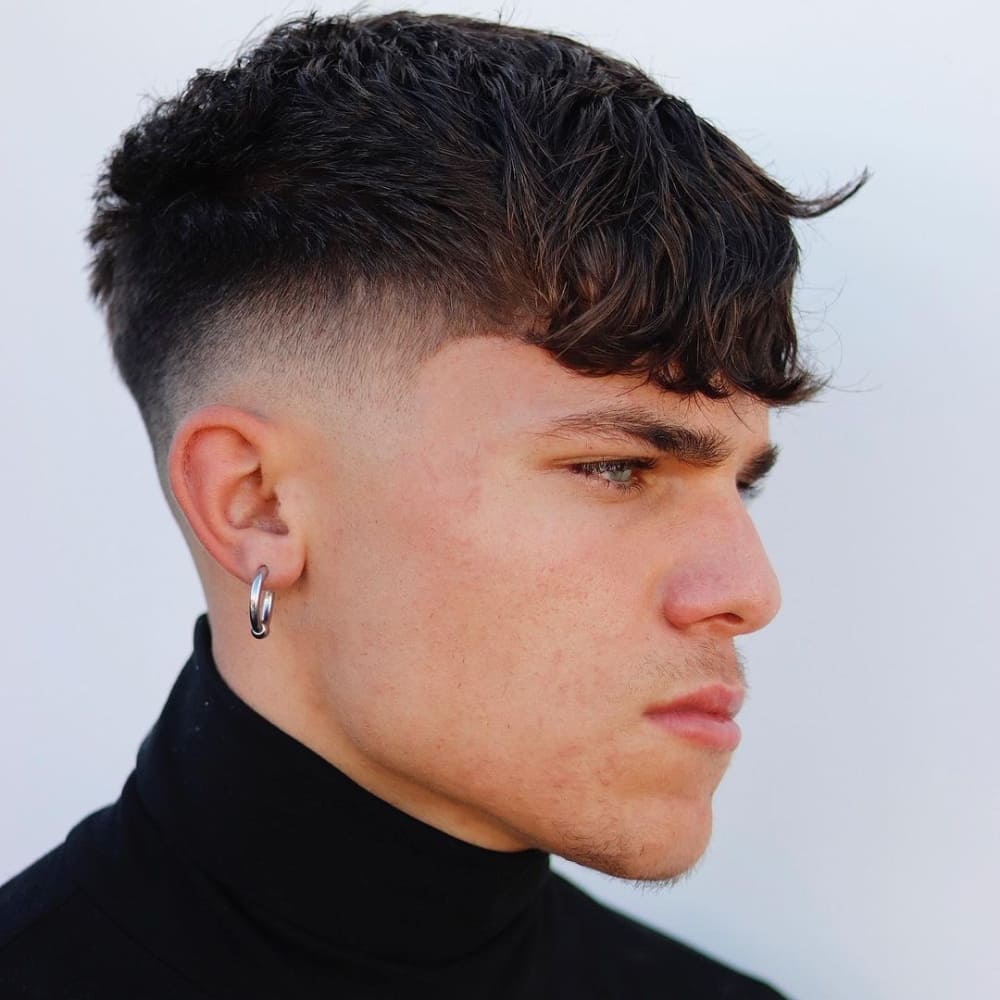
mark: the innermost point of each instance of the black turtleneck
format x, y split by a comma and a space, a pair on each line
237, 863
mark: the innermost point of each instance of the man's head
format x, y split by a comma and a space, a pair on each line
469, 333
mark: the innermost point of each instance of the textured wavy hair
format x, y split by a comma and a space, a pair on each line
348, 177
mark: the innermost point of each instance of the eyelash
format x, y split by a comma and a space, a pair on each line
593, 470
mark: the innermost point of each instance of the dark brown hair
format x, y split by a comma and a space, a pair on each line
509, 180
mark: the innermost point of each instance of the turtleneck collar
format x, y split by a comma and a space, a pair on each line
304, 850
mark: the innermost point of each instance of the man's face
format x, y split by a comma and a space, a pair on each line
501, 621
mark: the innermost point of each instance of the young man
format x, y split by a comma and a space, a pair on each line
456, 344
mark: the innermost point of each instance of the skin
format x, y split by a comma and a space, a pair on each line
466, 623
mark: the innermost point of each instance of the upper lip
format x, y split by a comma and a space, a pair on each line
712, 699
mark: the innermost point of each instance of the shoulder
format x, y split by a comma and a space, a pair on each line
31, 896
41, 916
632, 960
57, 943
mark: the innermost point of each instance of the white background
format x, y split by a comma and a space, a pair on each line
857, 832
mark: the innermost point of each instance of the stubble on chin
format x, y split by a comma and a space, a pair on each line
650, 863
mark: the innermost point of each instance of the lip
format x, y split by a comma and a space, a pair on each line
703, 716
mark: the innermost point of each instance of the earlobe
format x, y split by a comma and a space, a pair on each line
225, 474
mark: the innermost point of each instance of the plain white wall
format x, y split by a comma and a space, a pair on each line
857, 832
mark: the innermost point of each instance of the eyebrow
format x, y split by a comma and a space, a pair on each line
701, 448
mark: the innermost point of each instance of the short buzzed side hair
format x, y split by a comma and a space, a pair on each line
503, 180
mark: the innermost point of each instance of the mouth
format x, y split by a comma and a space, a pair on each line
704, 716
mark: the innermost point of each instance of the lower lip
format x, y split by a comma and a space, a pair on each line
717, 732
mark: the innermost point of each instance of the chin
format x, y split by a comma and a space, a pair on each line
663, 848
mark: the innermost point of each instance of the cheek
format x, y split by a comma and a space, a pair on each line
478, 618
528, 592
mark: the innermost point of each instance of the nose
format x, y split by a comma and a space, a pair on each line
720, 578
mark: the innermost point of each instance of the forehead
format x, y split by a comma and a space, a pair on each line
494, 385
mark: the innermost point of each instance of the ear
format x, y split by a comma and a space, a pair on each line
227, 475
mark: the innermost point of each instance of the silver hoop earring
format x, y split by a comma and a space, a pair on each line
260, 610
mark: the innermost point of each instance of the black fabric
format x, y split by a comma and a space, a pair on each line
239, 864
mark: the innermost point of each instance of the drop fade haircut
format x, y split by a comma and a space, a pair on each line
349, 177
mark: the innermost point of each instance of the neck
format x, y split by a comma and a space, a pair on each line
287, 834
286, 687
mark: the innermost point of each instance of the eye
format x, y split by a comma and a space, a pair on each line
618, 474
749, 490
